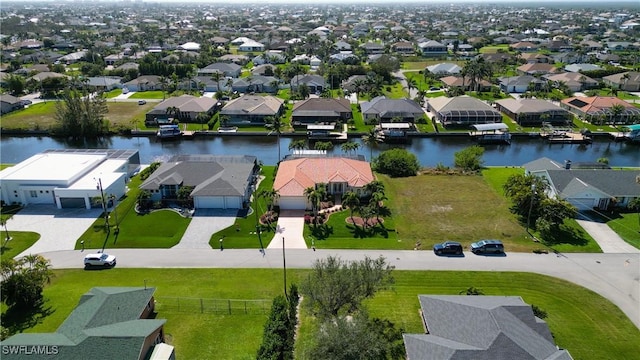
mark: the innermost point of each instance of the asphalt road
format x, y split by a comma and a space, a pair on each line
614, 276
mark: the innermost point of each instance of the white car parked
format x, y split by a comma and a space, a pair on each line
99, 259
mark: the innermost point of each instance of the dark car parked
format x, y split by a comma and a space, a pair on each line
487, 247
448, 248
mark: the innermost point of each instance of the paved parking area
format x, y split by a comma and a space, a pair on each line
59, 229
203, 224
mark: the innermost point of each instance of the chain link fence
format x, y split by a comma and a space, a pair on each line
213, 306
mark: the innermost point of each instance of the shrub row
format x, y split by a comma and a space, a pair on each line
279, 331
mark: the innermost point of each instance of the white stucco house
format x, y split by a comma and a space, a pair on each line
69, 178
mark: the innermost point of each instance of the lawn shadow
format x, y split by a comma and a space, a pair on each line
359, 232
18, 319
321, 231
566, 236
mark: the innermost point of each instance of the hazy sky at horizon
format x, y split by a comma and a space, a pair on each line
346, 2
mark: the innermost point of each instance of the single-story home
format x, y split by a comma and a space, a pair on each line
464, 83
144, 83
315, 83
226, 69
381, 109
627, 81
9, 103
536, 68
250, 46
445, 68
70, 178
105, 83
341, 175
575, 81
533, 112
185, 108
107, 323
321, 110
462, 111
481, 327
598, 109
587, 188
519, 84
218, 181
256, 83
252, 109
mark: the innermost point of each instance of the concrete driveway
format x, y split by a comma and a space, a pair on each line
290, 226
609, 241
204, 224
58, 228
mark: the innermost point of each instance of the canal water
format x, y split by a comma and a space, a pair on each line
429, 151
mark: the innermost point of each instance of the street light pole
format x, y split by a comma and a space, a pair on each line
533, 196
284, 265
115, 212
104, 204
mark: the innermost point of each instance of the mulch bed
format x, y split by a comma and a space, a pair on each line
358, 221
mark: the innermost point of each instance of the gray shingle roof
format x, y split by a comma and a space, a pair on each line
481, 327
210, 175
615, 183
396, 107
106, 324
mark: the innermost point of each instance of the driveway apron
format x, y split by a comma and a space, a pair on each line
609, 241
59, 229
204, 224
290, 227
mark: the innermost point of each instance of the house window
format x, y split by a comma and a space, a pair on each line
33, 193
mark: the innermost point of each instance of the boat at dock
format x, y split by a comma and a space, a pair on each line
169, 132
566, 137
325, 133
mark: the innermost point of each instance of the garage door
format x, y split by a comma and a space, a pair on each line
583, 203
209, 202
292, 202
233, 202
72, 203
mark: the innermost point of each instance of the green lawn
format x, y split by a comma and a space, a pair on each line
434, 208
337, 234
627, 225
586, 324
397, 91
494, 48
243, 234
41, 116
577, 317
20, 241
585, 125
158, 229
155, 94
113, 93
359, 125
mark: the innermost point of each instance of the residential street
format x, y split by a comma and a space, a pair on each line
614, 276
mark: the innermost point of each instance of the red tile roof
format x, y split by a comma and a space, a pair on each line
296, 175
594, 103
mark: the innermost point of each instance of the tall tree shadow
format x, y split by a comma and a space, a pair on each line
566, 235
18, 319
321, 231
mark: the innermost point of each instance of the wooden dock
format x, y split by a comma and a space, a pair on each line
567, 138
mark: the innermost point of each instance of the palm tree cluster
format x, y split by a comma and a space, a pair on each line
353, 202
316, 195
476, 70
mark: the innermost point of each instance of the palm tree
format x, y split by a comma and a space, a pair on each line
323, 145
349, 146
298, 145
358, 88
616, 110
216, 76
164, 83
625, 79
202, 118
411, 84
374, 187
270, 196
173, 110
277, 126
371, 139
351, 200
229, 84
375, 202
3, 222
315, 197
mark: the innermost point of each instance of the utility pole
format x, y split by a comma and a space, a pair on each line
533, 196
284, 265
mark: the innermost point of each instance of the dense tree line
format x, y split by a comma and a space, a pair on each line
151, 65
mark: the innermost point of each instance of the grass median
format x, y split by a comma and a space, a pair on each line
583, 322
